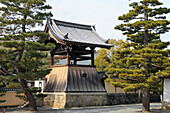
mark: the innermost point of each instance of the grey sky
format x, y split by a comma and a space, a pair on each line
102, 13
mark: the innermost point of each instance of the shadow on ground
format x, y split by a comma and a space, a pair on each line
128, 108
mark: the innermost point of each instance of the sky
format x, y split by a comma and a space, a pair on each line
101, 13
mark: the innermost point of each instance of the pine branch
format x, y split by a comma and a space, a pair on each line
158, 66
8, 54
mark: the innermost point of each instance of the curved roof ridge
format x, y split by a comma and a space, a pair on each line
71, 24
57, 29
53, 31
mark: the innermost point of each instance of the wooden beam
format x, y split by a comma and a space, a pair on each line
89, 45
83, 58
59, 57
82, 51
80, 57
77, 52
59, 52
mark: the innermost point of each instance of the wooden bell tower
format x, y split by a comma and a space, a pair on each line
74, 42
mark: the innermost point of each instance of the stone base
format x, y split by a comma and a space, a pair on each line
66, 100
165, 105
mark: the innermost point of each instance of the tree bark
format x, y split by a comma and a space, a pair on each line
30, 97
139, 96
146, 38
145, 100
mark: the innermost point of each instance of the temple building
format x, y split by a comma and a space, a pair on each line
73, 84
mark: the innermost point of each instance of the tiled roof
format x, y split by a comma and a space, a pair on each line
76, 33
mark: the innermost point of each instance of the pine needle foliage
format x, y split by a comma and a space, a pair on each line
21, 46
143, 57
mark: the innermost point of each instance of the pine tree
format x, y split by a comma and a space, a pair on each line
143, 57
21, 46
128, 65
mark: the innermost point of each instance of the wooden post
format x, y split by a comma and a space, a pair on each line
75, 61
92, 56
51, 60
68, 58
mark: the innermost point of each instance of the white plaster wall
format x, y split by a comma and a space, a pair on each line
166, 90
36, 84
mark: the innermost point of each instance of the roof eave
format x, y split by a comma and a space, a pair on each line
59, 39
108, 46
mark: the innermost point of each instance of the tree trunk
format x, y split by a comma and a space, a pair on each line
146, 100
30, 97
146, 34
139, 96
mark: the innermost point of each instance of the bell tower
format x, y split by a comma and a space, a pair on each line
72, 84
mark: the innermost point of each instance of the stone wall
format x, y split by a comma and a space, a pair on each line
86, 99
57, 100
155, 97
67, 100
122, 98
166, 105
129, 98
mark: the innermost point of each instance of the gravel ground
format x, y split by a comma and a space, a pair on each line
128, 108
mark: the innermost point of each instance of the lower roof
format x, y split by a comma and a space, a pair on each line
73, 79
